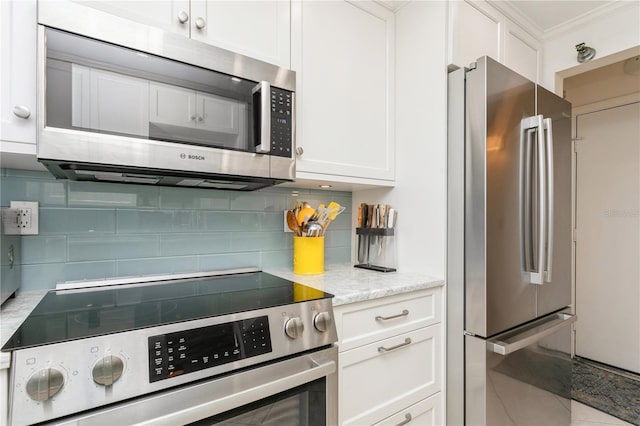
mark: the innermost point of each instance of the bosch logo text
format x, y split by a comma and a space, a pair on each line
192, 157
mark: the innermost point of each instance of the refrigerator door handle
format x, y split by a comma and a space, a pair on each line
533, 272
550, 184
513, 341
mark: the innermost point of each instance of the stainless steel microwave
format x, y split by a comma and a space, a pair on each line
123, 102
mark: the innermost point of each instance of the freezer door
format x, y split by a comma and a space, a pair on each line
522, 377
555, 292
496, 295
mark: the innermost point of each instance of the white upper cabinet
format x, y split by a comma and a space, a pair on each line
478, 29
18, 74
172, 105
260, 29
170, 15
343, 54
474, 31
522, 52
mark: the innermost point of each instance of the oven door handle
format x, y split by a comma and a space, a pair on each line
203, 400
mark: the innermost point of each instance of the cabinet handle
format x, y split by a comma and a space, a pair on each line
200, 118
200, 23
407, 419
21, 111
183, 16
404, 313
407, 342
194, 117
299, 150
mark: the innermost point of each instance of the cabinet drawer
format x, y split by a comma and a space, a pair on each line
427, 412
362, 323
382, 378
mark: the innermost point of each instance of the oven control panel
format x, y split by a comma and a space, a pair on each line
183, 352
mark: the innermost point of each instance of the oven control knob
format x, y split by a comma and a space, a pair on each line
294, 327
44, 384
322, 321
107, 370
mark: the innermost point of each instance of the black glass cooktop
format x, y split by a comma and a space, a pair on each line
75, 314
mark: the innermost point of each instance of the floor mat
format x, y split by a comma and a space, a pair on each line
615, 392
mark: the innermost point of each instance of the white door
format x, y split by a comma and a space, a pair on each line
608, 236
260, 29
18, 71
170, 15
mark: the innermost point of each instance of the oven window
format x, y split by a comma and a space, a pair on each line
103, 88
303, 406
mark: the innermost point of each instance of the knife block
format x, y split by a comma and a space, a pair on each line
376, 249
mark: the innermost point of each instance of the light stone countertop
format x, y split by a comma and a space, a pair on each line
350, 285
12, 313
346, 283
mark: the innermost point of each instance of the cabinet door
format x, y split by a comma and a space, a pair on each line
427, 412
166, 14
389, 375
119, 103
18, 71
260, 29
343, 55
172, 105
521, 52
474, 31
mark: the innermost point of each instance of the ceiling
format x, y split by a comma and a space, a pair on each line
548, 15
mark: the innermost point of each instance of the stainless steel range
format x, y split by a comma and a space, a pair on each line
208, 348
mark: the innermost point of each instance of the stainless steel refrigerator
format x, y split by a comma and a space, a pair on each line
509, 250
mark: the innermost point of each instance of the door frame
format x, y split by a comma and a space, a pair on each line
575, 112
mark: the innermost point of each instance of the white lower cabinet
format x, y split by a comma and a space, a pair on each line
427, 412
390, 360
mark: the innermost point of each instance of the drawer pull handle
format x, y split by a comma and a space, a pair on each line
407, 419
404, 313
407, 342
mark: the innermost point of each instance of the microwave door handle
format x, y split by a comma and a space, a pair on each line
550, 208
263, 137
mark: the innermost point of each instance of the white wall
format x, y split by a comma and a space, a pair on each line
607, 33
421, 139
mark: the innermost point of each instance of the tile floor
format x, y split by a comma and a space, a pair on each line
583, 415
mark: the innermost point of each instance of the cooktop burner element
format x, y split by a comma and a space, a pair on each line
82, 348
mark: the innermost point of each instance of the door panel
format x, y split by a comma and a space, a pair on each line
556, 294
496, 296
608, 241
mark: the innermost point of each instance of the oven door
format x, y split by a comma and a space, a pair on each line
301, 390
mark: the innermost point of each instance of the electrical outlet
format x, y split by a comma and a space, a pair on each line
22, 218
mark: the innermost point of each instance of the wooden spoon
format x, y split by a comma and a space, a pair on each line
293, 223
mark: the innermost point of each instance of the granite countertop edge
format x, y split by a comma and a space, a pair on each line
346, 283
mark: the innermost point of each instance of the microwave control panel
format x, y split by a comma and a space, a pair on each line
183, 352
281, 122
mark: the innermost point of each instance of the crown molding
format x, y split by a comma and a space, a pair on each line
587, 18
540, 33
518, 18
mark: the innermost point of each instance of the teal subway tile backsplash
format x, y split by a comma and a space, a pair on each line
77, 221
160, 265
229, 261
44, 249
193, 199
49, 193
113, 195
82, 248
91, 230
45, 275
156, 221
183, 244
